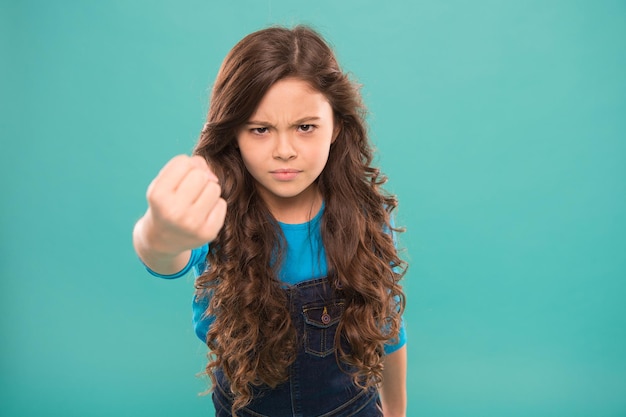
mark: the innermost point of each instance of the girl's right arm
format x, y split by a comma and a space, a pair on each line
393, 389
185, 211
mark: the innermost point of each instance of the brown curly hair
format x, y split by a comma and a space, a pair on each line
252, 338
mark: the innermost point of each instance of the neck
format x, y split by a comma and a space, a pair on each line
295, 210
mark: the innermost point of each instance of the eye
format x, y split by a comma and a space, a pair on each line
306, 128
259, 130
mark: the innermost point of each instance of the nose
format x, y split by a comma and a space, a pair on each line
284, 149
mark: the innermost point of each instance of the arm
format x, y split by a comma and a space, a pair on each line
185, 211
162, 262
393, 389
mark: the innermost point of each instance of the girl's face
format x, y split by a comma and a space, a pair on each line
285, 146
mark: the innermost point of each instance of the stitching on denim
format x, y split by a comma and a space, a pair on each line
312, 326
247, 412
347, 404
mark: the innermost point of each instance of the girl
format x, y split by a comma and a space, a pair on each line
297, 289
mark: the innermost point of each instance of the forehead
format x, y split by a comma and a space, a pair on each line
292, 97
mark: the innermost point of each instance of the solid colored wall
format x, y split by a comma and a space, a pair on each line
501, 126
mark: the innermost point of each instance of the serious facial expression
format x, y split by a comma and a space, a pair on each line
286, 142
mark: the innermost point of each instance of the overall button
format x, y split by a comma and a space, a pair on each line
325, 316
320, 326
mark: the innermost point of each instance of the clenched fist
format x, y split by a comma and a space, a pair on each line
185, 211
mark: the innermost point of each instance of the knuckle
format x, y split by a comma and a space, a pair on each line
213, 189
199, 175
152, 196
180, 159
155, 195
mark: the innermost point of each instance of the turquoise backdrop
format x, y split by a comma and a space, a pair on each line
501, 125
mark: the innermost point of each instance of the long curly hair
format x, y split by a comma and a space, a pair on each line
252, 338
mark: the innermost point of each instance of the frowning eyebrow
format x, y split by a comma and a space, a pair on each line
299, 122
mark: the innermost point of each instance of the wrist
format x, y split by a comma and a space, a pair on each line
159, 261
148, 242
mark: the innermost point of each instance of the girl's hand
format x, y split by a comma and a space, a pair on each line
185, 211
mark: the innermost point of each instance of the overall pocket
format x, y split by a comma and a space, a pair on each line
320, 326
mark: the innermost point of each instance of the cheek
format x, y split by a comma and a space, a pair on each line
248, 153
321, 156
249, 163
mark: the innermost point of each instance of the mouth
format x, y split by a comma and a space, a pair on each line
286, 174
285, 171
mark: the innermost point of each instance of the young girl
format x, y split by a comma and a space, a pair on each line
281, 216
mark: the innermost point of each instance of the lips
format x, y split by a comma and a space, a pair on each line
285, 174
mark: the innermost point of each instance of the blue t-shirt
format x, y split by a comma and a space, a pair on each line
305, 259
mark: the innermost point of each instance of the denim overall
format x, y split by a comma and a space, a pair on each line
316, 387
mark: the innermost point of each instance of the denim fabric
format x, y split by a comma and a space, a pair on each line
317, 386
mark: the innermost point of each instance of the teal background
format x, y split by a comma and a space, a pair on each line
502, 127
